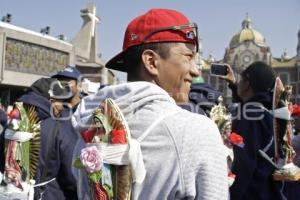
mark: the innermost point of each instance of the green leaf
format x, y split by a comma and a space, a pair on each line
77, 163
109, 191
95, 176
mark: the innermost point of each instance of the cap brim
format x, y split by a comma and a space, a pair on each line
64, 76
63, 96
117, 62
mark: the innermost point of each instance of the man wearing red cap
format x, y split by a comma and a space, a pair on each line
182, 151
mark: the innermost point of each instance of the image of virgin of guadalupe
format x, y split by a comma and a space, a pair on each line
285, 130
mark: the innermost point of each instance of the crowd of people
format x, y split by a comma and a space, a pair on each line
182, 148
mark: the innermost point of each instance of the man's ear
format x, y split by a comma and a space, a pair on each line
248, 86
150, 59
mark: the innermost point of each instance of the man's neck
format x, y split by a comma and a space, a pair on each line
75, 100
248, 95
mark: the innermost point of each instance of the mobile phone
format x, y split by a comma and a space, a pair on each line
217, 69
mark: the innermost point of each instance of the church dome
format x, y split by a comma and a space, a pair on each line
247, 34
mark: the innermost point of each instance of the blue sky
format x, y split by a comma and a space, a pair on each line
218, 20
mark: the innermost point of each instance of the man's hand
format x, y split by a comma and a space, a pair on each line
230, 76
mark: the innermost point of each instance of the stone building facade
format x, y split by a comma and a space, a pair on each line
247, 46
26, 56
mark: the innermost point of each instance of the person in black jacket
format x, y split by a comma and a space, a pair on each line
57, 140
255, 124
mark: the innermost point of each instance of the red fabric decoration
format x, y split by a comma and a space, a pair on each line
118, 136
296, 110
88, 135
236, 139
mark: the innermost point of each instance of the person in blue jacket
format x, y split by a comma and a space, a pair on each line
72, 77
3, 125
57, 140
255, 124
203, 96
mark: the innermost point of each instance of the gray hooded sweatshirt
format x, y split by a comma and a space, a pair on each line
183, 154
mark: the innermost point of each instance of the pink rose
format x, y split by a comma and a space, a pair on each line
91, 159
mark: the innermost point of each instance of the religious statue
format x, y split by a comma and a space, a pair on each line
220, 115
283, 134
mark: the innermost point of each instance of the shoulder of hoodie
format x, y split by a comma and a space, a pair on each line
194, 124
196, 138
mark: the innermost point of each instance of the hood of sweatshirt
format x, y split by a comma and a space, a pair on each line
130, 97
41, 103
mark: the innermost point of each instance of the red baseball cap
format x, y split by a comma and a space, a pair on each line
156, 25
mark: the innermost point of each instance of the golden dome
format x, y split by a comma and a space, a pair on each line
247, 34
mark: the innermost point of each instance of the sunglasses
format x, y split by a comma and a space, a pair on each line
192, 34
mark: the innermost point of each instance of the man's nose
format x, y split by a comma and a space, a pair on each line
194, 69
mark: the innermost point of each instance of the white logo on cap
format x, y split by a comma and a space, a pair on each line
68, 69
134, 36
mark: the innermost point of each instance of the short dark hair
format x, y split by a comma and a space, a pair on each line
260, 76
133, 58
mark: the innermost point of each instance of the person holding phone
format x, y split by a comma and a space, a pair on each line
224, 71
218, 69
255, 125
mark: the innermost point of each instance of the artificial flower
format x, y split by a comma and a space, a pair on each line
295, 110
14, 114
230, 174
91, 159
236, 139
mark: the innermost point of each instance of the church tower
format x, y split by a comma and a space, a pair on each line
86, 39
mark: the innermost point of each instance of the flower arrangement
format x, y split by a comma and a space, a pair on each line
108, 179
